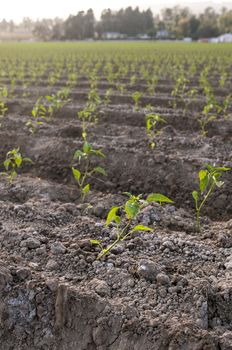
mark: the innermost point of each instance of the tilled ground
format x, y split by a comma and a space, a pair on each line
170, 289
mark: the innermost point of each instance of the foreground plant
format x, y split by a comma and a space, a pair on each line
123, 217
82, 177
208, 180
152, 121
14, 160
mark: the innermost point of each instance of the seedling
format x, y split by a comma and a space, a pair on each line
14, 160
45, 108
226, 105
3, 96
208, 115
38, 114
123, 218
121, 88
86, 116
136, 98
107, 96
133, 80
208, 180
83, 159
93, 97
152, 83
152, 121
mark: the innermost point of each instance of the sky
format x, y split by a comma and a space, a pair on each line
37, 9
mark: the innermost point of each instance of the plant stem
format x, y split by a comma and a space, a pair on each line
201, 205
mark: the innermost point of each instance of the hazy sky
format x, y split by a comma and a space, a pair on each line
17, 9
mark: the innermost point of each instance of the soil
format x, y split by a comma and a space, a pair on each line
166, 290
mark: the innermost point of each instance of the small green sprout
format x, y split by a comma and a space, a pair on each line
3, 97
45, 108
227, 102
83, 158
94, 97
86, 116
152, 83
152, 121
208, 115
208, 179
107, 96
123, 217
14, 160
136, 98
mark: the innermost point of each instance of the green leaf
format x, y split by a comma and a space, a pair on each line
7, 163
117, 219
76, 174
77, 154
100, 170
195, 196
95, 242
112, 215
87, 147
141, 228
27, 160
159, 198
222, 169
86, 189
97, 153
204, 179
18, 160
132, 209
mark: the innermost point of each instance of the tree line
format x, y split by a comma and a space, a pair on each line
172, 23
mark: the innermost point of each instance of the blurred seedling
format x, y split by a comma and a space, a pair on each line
45, 108
107, 96
14, 161
3, 97
123, 217
82, 177
208, 114
152, 122
209, 178
136, 96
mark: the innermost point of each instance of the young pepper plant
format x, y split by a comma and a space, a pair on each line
3, 97
152, 121
14, 160
123, 217
208, 180
82, 178
136, 98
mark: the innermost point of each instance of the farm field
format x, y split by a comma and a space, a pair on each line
137, 118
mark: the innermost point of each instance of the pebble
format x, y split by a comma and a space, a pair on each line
23, 273
100, 287
52, 265
58, 248
32, 243
149, 270
52, 284
162, 279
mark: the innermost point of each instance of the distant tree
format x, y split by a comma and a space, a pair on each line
89, 23
208, 26
43, 29
225, 21
58, 29
80, 26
